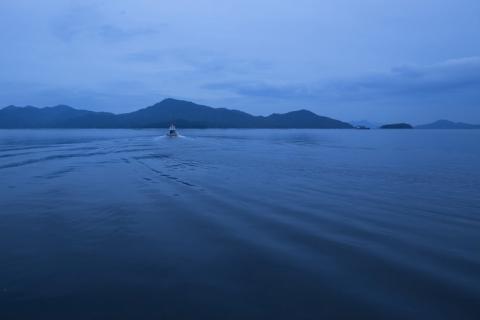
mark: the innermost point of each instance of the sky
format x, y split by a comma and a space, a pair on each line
380, 60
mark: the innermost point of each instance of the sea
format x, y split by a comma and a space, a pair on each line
240, 224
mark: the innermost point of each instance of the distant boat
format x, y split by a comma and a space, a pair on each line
172, 131
362, 128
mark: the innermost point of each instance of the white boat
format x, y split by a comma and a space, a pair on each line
172, 131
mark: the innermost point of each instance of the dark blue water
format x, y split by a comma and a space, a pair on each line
239, 224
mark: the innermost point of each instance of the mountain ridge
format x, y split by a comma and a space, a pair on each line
184, 113
447, 124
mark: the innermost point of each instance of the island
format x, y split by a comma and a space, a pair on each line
397, 126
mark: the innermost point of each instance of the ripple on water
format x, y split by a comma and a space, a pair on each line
240, 224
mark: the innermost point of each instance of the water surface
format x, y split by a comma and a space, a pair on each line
239, 224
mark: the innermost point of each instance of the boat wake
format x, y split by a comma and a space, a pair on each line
170, 138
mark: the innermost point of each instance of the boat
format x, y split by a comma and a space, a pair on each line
172, 131
362, 128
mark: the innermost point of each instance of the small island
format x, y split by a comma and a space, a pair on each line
397, 126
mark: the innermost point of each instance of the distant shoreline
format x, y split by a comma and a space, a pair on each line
186, 114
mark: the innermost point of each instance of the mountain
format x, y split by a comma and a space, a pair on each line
186, 114
397, 126
183, 113
302, 119
446, 124
60, 116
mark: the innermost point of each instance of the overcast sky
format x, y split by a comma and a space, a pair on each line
397, 60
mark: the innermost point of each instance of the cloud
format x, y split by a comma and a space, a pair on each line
262, 89
405, 82
86, 21
114, 33
440, 78
202, 60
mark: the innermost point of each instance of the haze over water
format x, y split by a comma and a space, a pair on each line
239, 224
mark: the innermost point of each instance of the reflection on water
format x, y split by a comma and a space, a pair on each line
239, 224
